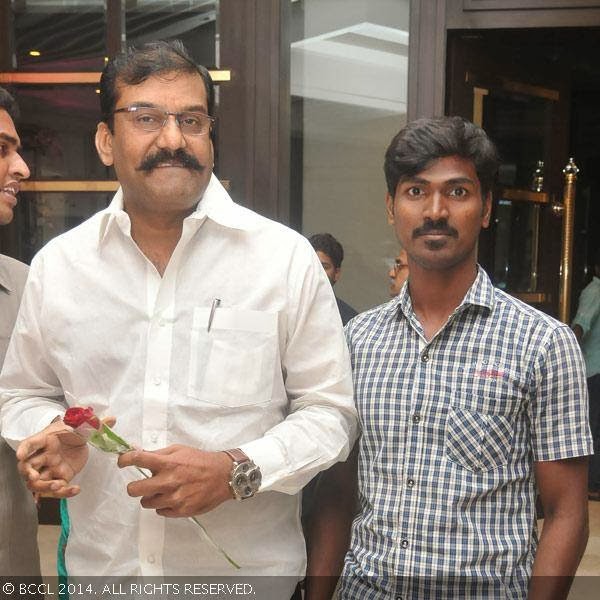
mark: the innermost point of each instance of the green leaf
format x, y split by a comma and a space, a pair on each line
107, 440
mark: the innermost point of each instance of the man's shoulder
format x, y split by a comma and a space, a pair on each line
13, 265
13, 272
75, 240
368, 322
346, 311
519, 318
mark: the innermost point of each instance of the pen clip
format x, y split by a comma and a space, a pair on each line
213, 309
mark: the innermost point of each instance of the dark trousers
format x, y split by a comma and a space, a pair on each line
594, 392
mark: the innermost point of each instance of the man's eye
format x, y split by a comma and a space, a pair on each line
190, 120
3, 150
459, 192
414, 191
146, 118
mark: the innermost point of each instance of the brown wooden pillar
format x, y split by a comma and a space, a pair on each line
254, 112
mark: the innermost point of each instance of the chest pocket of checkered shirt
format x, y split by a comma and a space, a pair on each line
478, 441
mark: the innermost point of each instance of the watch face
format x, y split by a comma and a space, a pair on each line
246, 480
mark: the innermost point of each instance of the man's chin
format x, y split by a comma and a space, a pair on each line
6, 214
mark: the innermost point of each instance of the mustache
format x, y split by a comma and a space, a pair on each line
179, 156
439, 226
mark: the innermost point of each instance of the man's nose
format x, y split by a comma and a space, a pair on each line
170, 135
19, 169
437, 207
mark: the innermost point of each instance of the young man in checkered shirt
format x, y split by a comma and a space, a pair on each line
471, 402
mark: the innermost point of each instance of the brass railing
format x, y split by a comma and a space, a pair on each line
566, 261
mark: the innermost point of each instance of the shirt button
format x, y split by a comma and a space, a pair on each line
399, 598
416, 418
154, 438
404, 544
161, 322
151, 559
157, 381
410, 483
425, 356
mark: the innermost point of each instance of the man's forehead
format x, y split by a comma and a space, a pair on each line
157, 82
324, 257
447, 168
8, 133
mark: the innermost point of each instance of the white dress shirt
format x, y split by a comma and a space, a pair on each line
98, 326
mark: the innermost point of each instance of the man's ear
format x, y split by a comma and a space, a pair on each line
389, 208
104, 139
487, 211
336, 274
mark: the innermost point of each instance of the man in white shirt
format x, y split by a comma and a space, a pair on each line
18, 514
151, 326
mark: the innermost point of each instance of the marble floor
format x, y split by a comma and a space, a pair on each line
584, 588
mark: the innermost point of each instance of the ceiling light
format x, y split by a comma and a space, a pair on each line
35, 53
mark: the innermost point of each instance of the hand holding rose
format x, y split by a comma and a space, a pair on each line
51, 458
185, 481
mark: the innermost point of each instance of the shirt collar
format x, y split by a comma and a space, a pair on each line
215, 204
481, 293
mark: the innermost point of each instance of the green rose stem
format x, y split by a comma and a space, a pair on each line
107, 440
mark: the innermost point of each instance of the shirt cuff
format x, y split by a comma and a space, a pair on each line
269, 456
40, 417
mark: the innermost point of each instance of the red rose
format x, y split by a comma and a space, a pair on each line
78, 415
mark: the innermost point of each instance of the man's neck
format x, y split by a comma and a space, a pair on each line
436, 294
156, 234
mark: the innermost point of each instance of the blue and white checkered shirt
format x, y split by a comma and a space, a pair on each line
451, 428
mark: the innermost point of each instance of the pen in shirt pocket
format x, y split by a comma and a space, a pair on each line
213, 309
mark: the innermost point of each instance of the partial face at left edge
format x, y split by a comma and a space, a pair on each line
12, 168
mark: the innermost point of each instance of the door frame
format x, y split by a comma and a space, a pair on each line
432, 19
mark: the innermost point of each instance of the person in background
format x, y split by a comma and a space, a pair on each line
331, 255
398, 273
469, 400
215, 377
18, 514
586, 326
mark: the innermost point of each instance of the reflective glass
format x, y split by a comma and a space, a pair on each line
57, 129
41, 216
349, 64
191, 21
60, 36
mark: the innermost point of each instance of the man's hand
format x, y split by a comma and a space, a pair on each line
50, 459
185, 481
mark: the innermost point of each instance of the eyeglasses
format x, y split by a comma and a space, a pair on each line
147, 118
398, 266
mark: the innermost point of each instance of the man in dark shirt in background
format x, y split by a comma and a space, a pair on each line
331, 255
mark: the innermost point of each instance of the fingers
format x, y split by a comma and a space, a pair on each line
54, 488
141, 458
109, 421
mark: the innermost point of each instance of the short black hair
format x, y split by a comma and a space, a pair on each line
423, 141
137, 63
326, 243
9, 104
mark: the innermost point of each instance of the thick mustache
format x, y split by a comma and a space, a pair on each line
440, 226
179, 157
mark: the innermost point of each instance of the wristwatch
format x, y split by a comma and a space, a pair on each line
245, 477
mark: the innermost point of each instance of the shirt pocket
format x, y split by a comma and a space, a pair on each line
233, 363
478, 441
